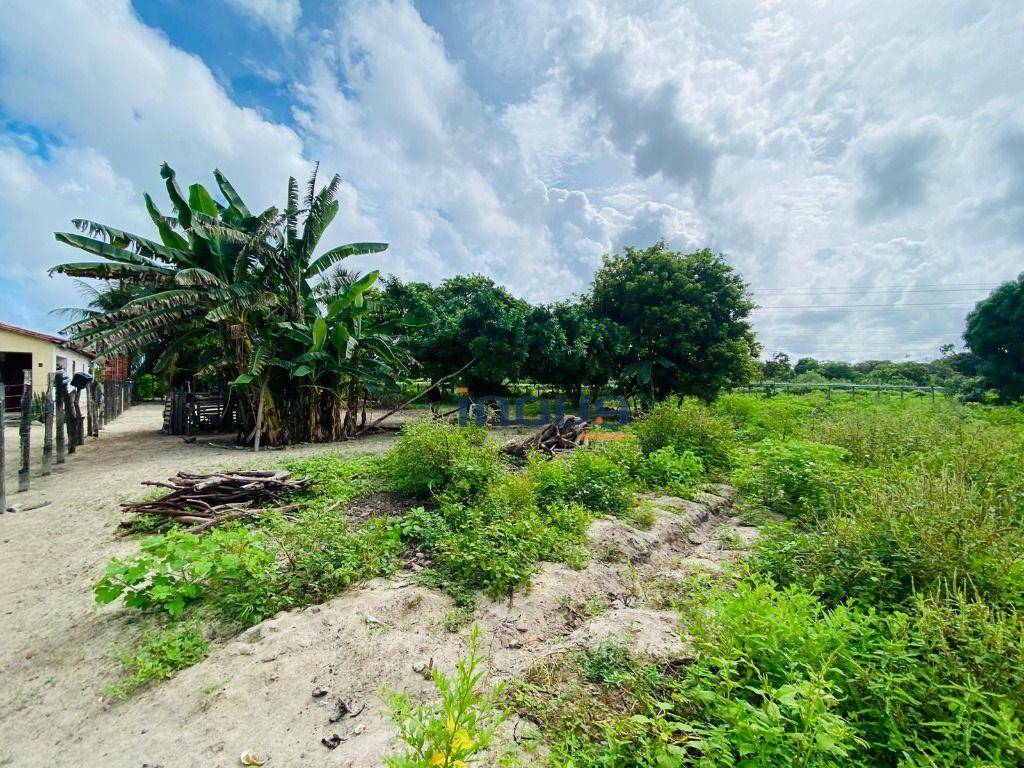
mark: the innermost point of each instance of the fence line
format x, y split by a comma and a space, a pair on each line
830, 386
59, 412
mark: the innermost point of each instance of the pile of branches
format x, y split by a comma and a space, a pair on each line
566, 434
205, 501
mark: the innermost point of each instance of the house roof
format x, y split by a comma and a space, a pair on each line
59, 341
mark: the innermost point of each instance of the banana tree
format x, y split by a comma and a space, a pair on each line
253, 282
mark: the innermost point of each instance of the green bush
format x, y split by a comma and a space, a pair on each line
588, 478
878, 434
494, 543
326, 555
782, 681
158, 657
796, 478
666, 469
781, 417
909, 531
230, 568
688, 426
432, 456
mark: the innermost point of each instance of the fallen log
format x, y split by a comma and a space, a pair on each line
566, 434
210, 500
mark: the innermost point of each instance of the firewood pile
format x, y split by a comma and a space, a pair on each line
205, 501
566, 434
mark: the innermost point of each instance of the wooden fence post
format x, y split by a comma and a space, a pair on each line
26, 430
60, 401
89, 425
3, 452
48, 426
79, 418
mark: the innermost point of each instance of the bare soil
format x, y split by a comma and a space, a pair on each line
255, 692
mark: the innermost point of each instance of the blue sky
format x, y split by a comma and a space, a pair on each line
862, 164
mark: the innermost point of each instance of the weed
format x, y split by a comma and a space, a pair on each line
159, 655
454, 731
691, 426
431, 456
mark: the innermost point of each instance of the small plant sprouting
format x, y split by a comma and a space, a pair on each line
450, 732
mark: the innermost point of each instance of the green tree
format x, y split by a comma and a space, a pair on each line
777, 368
685, 316
250, 293
995, 334
806, 365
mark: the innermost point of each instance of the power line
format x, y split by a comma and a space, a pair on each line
965, 286
862, 291
864, 307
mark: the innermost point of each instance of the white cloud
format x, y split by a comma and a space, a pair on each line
280, 16
117, 101
826, 148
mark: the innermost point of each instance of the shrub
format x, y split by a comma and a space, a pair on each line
326, 555
876, 435
453, 731
588, 478
796, 478
158, 657
668, 470
231, 568
432, 456
853, 686
910, 531
687, 426
781, 417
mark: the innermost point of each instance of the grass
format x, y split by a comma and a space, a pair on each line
875, 623
878, 625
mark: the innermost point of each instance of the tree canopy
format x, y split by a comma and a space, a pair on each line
995, 335
685, 318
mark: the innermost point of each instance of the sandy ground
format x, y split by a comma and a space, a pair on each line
255, 692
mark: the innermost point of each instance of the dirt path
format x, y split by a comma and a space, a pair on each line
254, 692
54, 641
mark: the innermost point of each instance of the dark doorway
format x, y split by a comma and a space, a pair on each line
11, 366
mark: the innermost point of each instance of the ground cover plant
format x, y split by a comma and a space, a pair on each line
484, 524
876, 623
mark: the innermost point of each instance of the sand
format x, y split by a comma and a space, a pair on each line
255, 692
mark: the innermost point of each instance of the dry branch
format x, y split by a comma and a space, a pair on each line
209, 500
566, 434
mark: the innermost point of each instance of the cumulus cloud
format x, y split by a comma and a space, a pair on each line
279, 16
116, 102
852, 160
897, 168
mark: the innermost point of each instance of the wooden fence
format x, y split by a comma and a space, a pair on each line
834, 386
186, 413
67, 419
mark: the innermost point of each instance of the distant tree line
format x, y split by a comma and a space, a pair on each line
992, 367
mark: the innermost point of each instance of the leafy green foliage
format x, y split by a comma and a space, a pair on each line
688, 426
452, 732
159, 655
688, 310
231, 568
796, 478
431, 456
671, 471
246, 291
588, 478
995, 334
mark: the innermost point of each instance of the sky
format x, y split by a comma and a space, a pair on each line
860, 163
